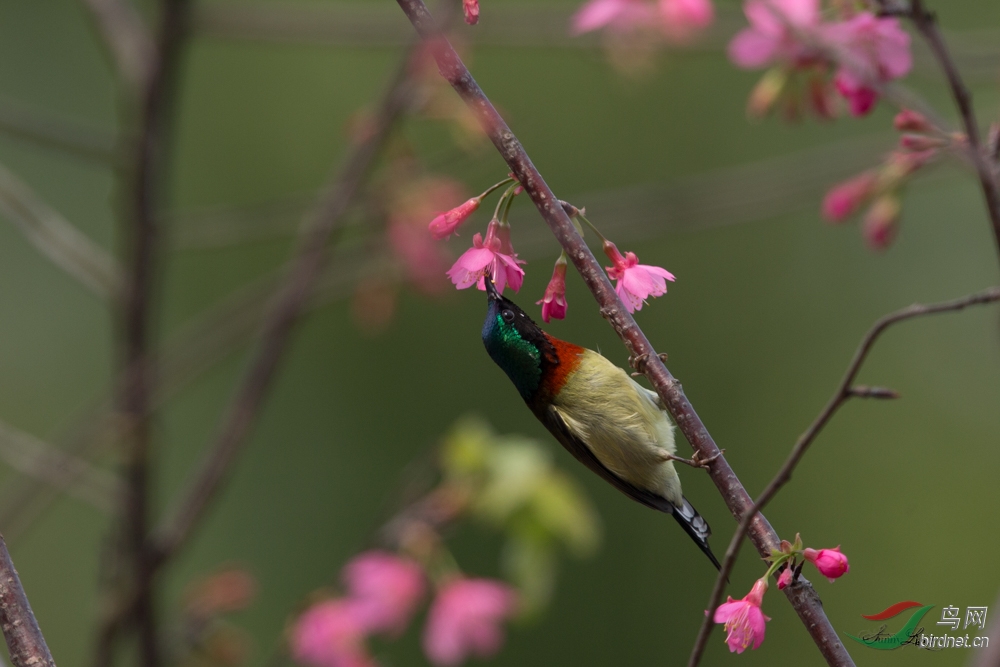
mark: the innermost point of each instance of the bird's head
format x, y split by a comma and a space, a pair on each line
514, 342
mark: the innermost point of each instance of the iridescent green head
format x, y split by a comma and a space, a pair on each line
514, 342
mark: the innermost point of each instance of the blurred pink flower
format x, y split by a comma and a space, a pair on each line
331, 634
843, 199
465, 620
444, 224
620, 15
771, 37
636, 282
554, 300
912, 121
879, 228
830, 562
471, 8
423, 259
682, 19
785, 578
678, 20
493, 256
881, 50
386, 588
745, 622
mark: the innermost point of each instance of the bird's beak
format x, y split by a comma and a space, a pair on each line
491, 290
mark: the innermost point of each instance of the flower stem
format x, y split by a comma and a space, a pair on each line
490, 190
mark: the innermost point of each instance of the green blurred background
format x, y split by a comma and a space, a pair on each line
768, 307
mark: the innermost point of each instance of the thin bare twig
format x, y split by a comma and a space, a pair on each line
844, 392
126, 38
803, 598
926, 23
56, 238
45, 129
24, 638
77, 477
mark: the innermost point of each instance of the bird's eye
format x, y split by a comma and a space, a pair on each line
508, 315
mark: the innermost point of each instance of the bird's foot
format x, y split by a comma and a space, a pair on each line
638, 362
696, 461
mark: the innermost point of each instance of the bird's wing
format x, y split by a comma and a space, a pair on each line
555, 422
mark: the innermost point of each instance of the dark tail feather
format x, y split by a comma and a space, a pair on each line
695, 526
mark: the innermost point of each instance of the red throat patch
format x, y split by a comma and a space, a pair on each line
569, 359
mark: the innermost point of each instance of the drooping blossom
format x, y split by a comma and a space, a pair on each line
744, 621
466, 619
331, 634
471, 9
785, 578
881, 222
830, 562
636, 282
444, 224
493, 256
678, 20
844, 199
774, 33
386, 589
554, 301
876, 51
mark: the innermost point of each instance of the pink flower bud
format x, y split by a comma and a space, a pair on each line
830, 562
554, 300
911, 121
785, 578
845, 198
881, 223
445, 224
920, 142
471, 8
385, 589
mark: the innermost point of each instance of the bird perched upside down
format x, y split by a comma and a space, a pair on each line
605, 419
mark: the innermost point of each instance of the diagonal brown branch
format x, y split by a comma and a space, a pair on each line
803, 598
24, 638
844, 392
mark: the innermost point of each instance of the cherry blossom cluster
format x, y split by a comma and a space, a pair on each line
382, 593
814, 55
493, 257
879, 189
743, 619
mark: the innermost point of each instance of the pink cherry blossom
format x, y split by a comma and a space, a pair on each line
830, 562
908, 120
423, 259
617, 15
465, 620
878, 51
493, 256
785, 578
845, 198
387, 589
331, 634
471, 8
772, 36
682, 19
636, 282
554, 301
678, 20
444, 224
745, 622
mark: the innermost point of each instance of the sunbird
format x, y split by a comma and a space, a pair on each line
604, 418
